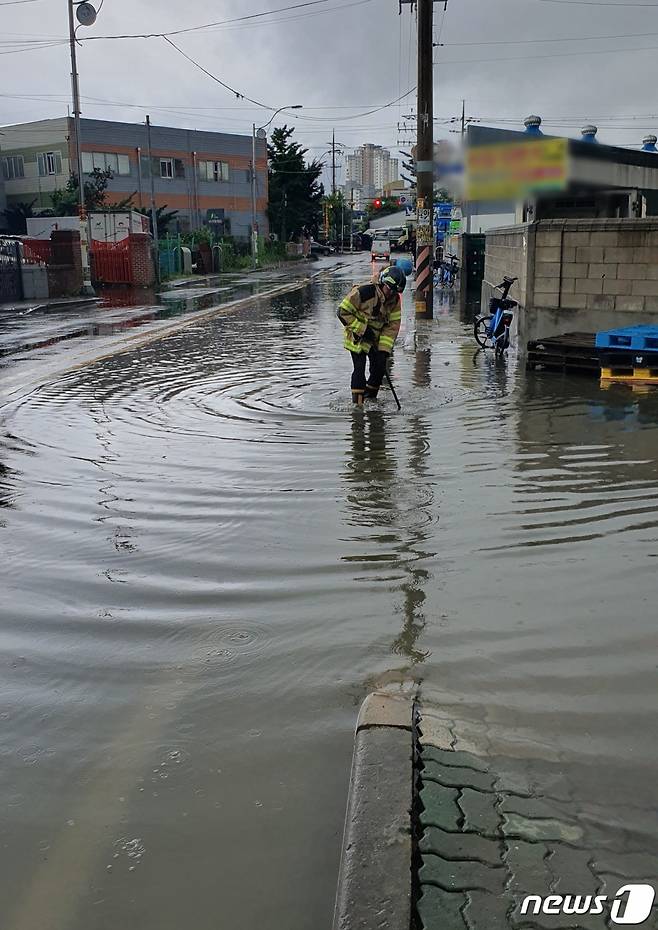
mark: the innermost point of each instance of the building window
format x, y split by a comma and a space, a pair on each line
117, 164
213, 171
166, 167
13, 167
49, 163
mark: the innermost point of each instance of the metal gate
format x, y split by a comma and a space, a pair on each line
111, 262
11, 283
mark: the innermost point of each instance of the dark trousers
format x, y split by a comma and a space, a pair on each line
376, 373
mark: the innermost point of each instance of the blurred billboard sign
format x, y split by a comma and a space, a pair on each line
515, 170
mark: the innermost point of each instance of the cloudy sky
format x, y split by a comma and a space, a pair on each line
570, 62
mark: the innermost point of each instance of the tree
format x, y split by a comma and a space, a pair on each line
16, 214
163, 218
65, 201
295, 198
382, 206
338, 214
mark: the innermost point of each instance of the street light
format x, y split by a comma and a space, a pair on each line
261, 135
86, 16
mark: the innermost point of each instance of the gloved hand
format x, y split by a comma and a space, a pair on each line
370, 335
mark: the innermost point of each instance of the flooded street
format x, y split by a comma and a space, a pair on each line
209, 558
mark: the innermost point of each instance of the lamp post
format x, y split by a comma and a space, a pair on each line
261, 131
86, 16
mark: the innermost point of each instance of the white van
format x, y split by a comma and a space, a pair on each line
381, 245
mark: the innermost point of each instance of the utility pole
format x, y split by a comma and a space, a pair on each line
352, 220
283, 216
342, 223
333, 162
254, 229
463, 120
154, 215
424, 294
90, 17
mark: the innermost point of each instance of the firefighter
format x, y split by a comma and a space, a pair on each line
371, 314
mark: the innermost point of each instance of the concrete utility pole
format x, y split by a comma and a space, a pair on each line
154, 214
352, 220
86, 16
252, 178
333, 162
424, 294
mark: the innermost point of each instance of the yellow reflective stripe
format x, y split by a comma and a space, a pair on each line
395, 316
355, 346
386, 342
347, 304
358, 327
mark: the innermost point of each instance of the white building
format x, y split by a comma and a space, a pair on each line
371, 166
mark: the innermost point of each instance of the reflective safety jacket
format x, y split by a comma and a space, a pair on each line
365, 307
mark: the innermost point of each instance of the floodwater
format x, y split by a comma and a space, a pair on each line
209, 558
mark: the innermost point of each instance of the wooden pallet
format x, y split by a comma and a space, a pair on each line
570, 352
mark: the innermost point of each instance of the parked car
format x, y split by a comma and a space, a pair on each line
321, 248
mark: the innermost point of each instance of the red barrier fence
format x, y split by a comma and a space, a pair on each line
37, 251
111, 262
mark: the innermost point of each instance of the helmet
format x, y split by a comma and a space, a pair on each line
395, 277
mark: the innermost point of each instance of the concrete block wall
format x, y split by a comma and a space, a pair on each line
577, 275
509, 251
609, 265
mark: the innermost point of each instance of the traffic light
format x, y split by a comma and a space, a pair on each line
377, 204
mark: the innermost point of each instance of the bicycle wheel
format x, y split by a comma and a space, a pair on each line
481, 332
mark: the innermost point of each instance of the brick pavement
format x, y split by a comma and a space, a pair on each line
487, 836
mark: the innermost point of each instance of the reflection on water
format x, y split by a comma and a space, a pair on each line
210, 555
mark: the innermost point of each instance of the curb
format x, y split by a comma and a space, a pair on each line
374, 880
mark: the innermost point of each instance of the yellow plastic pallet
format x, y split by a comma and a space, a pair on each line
637, 376
635, 387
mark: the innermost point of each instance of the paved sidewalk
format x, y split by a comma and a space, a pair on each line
487, 838
54, 303
487, 821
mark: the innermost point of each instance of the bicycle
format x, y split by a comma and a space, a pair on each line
493, 331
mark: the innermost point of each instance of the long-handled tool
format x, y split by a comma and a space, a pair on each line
393, 391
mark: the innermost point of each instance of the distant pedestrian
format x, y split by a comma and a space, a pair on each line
371, 314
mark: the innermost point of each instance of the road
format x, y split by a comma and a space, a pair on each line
209, 558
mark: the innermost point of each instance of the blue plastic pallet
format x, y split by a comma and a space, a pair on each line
638, 338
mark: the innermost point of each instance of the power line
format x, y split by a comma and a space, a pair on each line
16, 2
242, 96
628, 35
601, 51
214, 78
225, 22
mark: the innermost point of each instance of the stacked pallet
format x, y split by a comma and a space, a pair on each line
629, 354
570, 352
